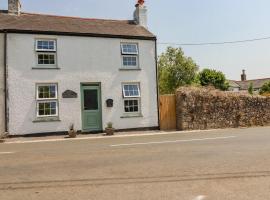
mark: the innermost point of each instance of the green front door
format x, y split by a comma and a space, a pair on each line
91, 107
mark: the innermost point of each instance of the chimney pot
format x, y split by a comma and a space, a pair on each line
14, 7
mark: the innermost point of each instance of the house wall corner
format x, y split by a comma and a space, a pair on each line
2, 85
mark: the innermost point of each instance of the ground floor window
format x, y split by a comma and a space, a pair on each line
46, 58
47, 100
131, 105
132, 97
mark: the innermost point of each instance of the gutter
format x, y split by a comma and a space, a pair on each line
5, 81
79, 34
157, 84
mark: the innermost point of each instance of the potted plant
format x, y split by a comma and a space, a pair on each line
109, 129
72, 133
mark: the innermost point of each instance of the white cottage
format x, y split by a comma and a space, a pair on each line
57, 71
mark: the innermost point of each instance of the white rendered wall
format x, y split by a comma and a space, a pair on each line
2, 96
81, 60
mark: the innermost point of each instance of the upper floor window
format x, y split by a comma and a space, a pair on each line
130, 49
46, 52
130, 55
46, 45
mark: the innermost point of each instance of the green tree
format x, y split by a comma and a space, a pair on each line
175, 70
215, 78
250, 88
265, 88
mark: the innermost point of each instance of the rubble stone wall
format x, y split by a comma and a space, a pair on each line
207, 108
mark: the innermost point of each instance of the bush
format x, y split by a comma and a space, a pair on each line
250, 88
210, 77
265, 88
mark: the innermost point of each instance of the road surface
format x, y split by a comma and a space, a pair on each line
221, 164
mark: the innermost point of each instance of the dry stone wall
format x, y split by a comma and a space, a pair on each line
207, 108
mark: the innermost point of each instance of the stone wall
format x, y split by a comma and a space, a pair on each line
207, 108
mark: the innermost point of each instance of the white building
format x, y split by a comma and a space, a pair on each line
67, 70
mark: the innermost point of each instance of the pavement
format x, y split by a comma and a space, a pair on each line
199, 165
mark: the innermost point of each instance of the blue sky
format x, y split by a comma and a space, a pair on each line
189, 21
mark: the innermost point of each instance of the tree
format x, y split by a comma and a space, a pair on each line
175, 70
212, 77
265, 88
250, 88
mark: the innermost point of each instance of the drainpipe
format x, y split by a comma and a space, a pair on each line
5, 82
157, 85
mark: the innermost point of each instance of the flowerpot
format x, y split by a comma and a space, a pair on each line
109, 131
72, 134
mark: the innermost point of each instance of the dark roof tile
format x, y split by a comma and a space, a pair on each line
257, 83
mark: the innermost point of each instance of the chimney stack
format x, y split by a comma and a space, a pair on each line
14, 7
140, 14
243, 75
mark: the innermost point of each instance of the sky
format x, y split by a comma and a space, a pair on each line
189, 21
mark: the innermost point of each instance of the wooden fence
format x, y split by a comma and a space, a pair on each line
167, 107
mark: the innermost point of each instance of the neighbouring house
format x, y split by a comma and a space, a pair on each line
244, 84
57, 71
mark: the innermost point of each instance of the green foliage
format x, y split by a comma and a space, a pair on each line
109, 125
175, 70
250, 89
209, 77
265, 88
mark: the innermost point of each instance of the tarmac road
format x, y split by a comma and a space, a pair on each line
221, 164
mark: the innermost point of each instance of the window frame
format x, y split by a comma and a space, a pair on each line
46, 50
139, 105
47, 100
128, 84
46, 53
130, 66
130, 53
46, 84
126, 98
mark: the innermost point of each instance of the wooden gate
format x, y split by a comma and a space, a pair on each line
167, 107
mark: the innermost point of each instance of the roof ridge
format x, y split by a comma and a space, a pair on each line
254, 79
75, 17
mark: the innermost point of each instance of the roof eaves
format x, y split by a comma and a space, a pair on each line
78, 34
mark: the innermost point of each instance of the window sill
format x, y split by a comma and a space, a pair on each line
47, 67
131, 116
130, 69
46, 119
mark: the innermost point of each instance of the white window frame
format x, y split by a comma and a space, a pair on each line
127, 84
133, 99
56, 110
129, 53
47, 100
44, 84
47, 53
46, 50
130, 66
137, 97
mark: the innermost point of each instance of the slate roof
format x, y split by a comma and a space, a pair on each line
257, 83
233, 84
51, 24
